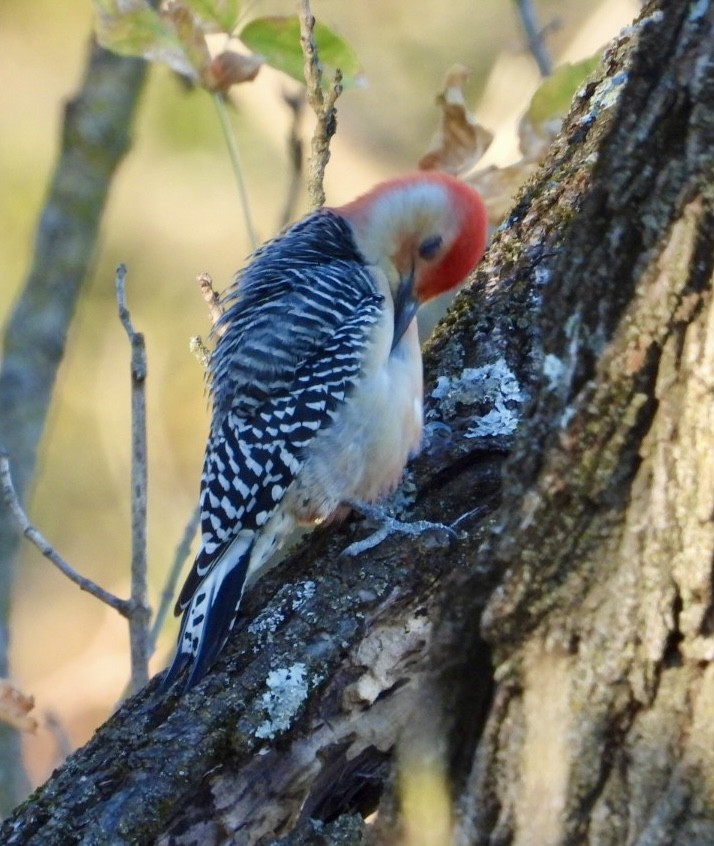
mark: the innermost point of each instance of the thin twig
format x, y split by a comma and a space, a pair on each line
534, 36
123, 606
213, 300
215, 312
323, 104
141, 613
183, 550
201, 351
296, 104
232, 144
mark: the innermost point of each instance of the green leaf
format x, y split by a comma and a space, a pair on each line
278, 40
136, 29
553, 97
223, 13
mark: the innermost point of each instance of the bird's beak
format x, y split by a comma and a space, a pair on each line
405, 307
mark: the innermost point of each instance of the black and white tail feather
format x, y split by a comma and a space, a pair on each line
290, 355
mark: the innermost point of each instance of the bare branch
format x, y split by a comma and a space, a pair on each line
215, 312
96, 134
295, 103
313, 71
140, 611
167, 594
213, 300
10, 498
534, 36
201, 351
323, 104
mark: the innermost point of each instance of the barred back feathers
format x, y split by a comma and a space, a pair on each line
316, 383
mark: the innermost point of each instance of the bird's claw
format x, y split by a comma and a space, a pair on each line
390, 525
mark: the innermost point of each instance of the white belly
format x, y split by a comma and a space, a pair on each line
362, 455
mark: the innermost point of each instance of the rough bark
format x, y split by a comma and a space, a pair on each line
552, 667
601, 729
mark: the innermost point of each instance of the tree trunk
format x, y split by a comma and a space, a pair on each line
601, 729
546, 679
95, 138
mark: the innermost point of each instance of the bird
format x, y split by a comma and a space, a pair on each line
316, 383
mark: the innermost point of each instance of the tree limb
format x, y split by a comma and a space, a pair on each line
139, 640
323, 104
95, 138
35, 537
534, 36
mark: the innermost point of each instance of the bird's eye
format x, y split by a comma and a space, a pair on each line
430, 246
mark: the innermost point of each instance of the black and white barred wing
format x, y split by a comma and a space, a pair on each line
256, 449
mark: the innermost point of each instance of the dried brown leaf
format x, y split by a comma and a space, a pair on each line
229, 68
15, 707
460, 141
534, 139
190, 34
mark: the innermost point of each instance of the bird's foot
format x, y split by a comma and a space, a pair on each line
390, 525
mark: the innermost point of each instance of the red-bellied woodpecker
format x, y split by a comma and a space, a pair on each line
317, 382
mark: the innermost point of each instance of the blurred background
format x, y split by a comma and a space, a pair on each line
173, 213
